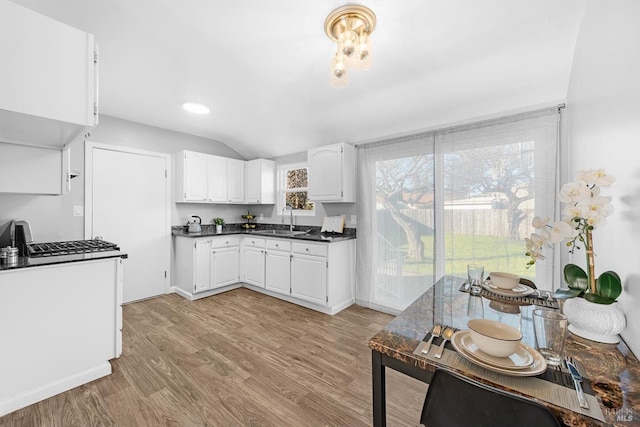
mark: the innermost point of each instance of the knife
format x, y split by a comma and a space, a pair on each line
577, 380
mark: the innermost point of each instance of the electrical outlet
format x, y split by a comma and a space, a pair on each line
354, 219
78, 211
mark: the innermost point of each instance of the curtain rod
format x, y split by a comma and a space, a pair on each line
456, 127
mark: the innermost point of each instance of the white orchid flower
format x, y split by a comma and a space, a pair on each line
574, 192
538, 222
596, 177
559, 231
571, 211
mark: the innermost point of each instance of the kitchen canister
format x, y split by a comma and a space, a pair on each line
8, 256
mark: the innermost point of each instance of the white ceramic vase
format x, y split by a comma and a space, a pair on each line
595, 322
218, 229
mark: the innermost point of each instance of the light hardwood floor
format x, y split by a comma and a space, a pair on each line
238, 358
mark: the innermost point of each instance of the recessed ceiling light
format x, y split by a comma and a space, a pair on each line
195, 108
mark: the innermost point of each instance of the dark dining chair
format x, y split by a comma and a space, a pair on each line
453, 400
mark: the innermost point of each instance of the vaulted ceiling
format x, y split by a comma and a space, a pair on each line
262, 66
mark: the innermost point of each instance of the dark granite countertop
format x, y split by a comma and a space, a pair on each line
26, 262
613, 370
314, 235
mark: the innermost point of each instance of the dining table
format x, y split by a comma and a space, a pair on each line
610, 372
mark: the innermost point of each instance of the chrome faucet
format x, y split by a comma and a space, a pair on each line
289, 207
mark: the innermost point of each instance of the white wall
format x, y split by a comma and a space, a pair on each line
51, 217
603, 108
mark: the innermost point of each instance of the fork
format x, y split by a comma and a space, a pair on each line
435, 333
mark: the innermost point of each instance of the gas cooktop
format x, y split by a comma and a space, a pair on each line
70, 247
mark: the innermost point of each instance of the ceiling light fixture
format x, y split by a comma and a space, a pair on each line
350, 27
195, 108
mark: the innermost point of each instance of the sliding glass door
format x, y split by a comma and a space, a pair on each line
430, 204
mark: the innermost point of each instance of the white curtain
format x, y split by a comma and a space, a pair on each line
431, 203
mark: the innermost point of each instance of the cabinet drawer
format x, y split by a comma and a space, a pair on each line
225, 242
279, 245
252, 242
310, 249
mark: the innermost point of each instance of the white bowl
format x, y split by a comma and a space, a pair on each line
494, 338
504, 280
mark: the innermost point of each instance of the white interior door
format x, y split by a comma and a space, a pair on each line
127, 199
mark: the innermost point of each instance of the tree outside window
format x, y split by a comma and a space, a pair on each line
293, 189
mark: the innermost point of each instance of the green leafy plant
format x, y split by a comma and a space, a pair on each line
218, 221
585, 209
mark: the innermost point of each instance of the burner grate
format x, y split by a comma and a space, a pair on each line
70, 247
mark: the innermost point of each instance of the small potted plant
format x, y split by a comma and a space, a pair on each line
219, 222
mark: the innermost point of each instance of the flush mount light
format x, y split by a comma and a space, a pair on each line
350, 27
195, 108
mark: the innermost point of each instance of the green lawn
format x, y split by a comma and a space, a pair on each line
495, 253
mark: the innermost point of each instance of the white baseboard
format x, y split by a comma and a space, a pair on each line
13, 403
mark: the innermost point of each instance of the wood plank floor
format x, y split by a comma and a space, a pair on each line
235, 359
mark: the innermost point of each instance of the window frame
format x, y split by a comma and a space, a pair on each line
282, 190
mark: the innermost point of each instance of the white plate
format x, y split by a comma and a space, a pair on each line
518, 360
538, 366
519, 291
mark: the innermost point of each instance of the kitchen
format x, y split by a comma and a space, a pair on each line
53, 219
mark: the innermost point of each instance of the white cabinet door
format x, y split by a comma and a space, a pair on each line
309, 278
217, 179
30, 170
253, 260
260, 181
202, 265
195, 176
278, 271
332, 173
224, 266
235, 180
49, 78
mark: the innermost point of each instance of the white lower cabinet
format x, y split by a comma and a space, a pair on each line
320, 276
224, 267
207, 263
253, 261
201, 265
278, 266
309, 278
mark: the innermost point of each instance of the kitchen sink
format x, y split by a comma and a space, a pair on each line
279, 232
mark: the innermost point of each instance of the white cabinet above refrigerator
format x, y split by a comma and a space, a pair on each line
48, 81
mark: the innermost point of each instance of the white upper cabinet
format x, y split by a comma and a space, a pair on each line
332, 173
260, 181
235, 180
205, 178
217, 179
30, 170
195, 176
48, 79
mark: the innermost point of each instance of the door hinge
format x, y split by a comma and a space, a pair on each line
194, 287
165, 173
195, 245
165, 274
95, 56
342, 194
290, 258
327, 264
341, 149
95, 108
327, 299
